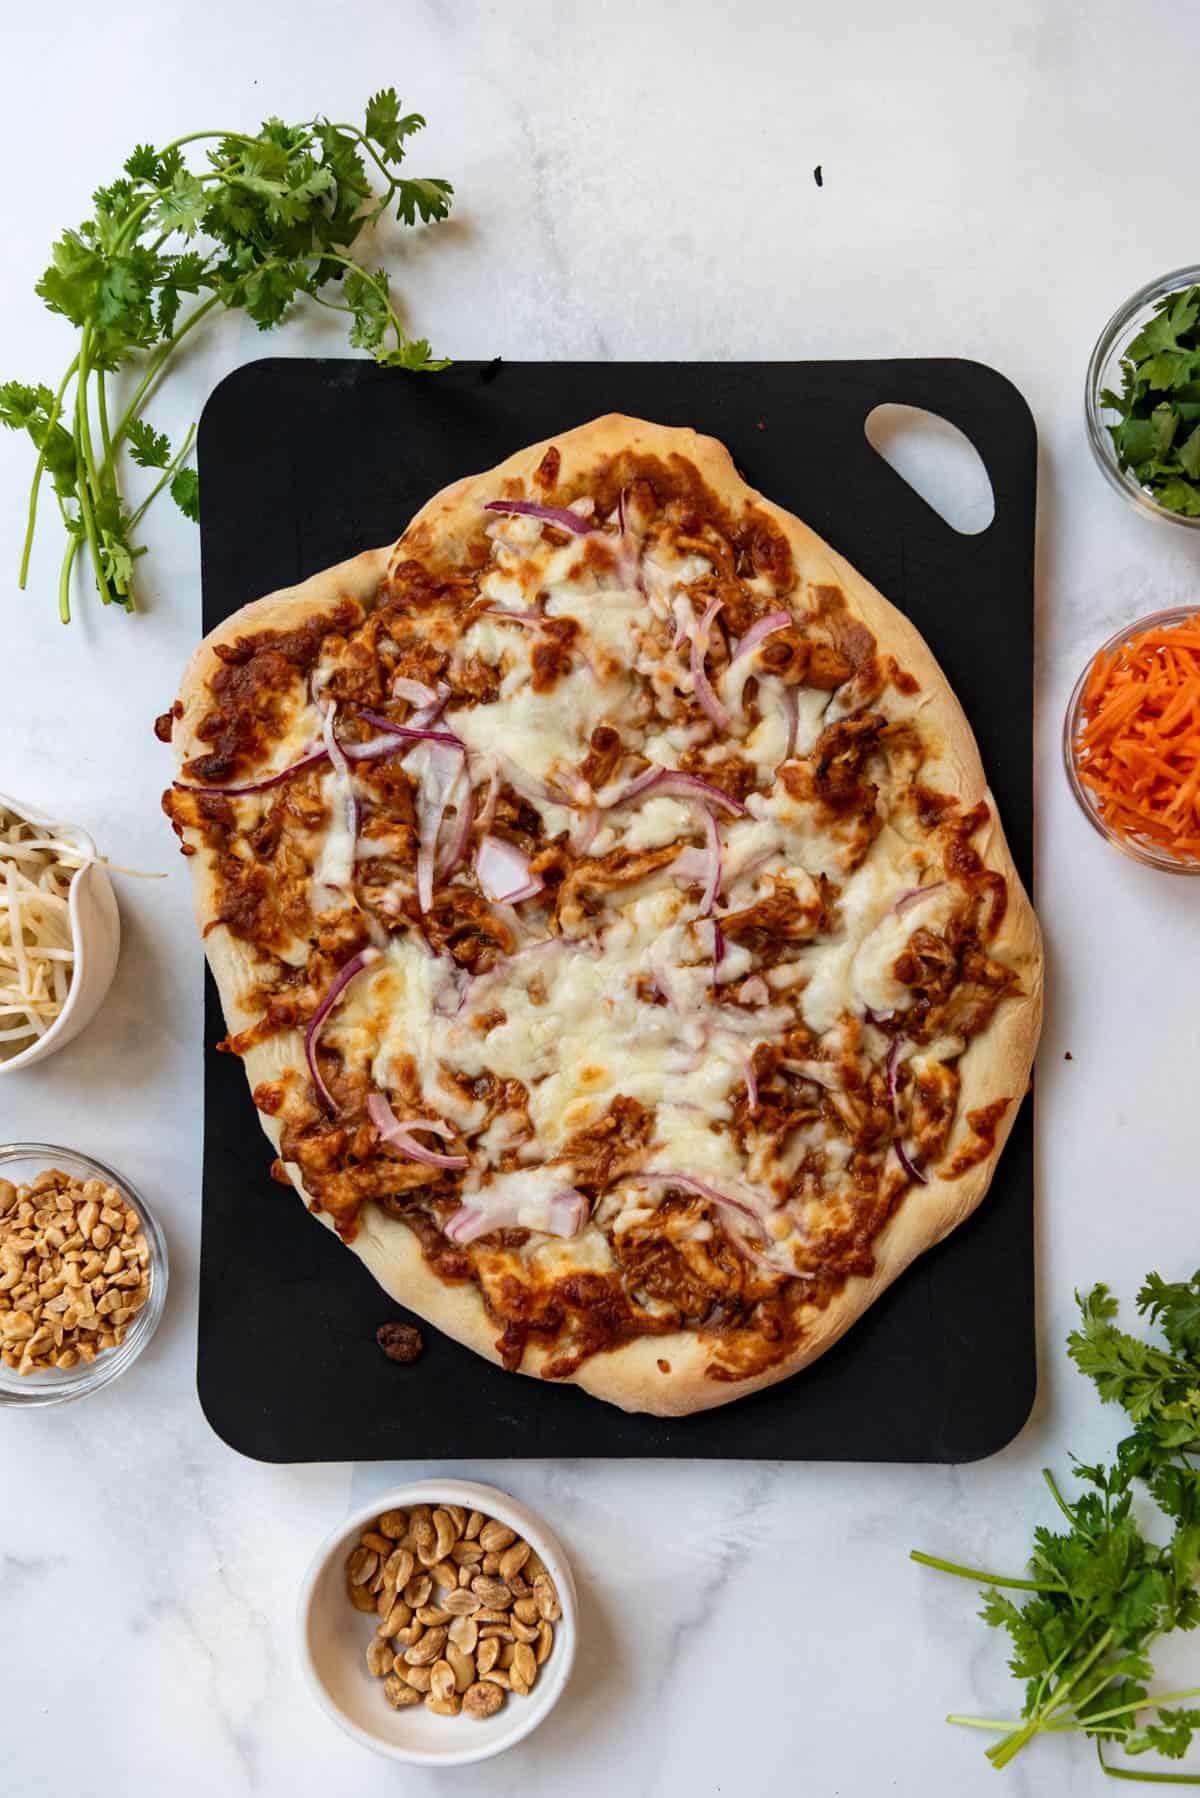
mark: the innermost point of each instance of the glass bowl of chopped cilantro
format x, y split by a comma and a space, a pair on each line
1143, 399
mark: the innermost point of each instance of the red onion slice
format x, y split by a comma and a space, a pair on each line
419, 735
559, 515
907, 1163
395, 1132
725, 1202
916, 893
488, 810
583, 831
712, 885
719, 714
310, 759
503, 1206
441, 766
354, 966
502, 870
528, 786
677, 785
341, 768
453, 852
718, 951
759, 631
533, 621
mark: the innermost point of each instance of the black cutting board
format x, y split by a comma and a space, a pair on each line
303, 463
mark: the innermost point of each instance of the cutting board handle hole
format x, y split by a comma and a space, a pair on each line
938, 461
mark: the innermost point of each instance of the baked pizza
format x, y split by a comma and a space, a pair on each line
610, 911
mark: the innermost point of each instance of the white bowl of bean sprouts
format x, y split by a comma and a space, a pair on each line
60, 932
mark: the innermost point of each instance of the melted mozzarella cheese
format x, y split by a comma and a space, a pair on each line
630, 1008
539, 731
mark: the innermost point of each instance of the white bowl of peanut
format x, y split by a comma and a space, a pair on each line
437, 1624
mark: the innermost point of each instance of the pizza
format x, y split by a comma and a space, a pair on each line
612, 916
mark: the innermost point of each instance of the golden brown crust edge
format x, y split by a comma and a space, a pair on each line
995, 1065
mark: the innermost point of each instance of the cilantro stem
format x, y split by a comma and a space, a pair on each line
1062, 1504
983, 1722
55, 413
102, 412
64, 578
1121, 1710
985, 1579
1156, 1779
156, 364
368, 146
168, 474
88, 483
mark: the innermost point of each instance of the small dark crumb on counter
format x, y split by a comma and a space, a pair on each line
761, 424
400, 1342
818, 177
492, 370
664, 1366
1068, 1056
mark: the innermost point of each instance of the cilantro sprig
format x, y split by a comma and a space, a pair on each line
1102, 1592
269, 220
1157, 436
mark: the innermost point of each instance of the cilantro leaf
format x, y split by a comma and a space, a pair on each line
185, 491
149, 448
182, 205
428, 200
385, 126
143, 165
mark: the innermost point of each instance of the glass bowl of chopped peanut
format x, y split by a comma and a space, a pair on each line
83, 1274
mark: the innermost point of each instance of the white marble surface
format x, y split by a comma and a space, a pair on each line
633, 180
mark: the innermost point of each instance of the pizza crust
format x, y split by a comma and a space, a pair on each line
995, 1064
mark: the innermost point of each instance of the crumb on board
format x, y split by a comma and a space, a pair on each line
400, 1342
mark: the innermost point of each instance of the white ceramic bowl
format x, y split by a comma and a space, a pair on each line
95, 934
333, 1640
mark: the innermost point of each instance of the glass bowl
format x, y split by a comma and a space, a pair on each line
1104, 370
1153, 855
21, 1162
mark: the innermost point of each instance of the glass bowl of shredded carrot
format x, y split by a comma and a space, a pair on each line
1132, 741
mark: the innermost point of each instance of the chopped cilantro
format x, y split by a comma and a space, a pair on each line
1157, 435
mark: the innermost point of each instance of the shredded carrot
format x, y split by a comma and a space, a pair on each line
1137, 746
